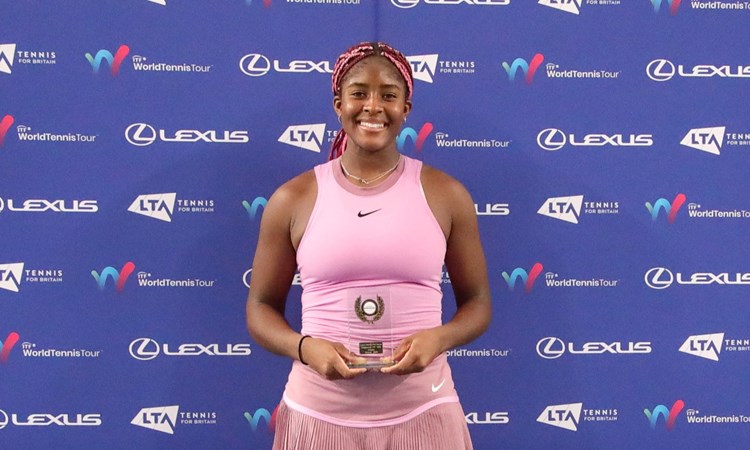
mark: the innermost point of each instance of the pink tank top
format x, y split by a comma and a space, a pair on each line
370, 263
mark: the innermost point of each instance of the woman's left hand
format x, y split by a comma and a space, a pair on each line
415, 353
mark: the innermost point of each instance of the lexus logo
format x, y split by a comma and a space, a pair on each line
659, 278
140, 134
551, 139
2, 204
3, 419
550, 347
144, 349
660, 70
405, 3
255, 65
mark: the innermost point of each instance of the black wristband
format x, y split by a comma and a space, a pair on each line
299, 349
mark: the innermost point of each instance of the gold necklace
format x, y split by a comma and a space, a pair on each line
362, 180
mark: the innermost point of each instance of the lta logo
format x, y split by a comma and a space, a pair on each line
674, 5
7, 345
253, 208
671, 209
119, 278
527, 277
113, 61
5, 125
529, 69
262, 413
417, 138
669, 415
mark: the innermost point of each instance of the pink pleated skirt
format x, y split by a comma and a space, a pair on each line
442, 427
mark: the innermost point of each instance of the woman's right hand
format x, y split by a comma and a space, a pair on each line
329, 359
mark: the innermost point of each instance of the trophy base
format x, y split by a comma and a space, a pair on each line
370, 364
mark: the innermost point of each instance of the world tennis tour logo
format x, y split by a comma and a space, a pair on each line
671, 209
528, 68
411, 134
674, 5
261, 414
114, 61
7, 345
254, 207
119, 278
528, 278
5, 125
669, 415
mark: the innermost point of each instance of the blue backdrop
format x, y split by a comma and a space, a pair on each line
606, 144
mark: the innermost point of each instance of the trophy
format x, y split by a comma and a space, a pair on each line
370, 329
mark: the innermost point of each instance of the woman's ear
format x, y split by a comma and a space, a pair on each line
337, 104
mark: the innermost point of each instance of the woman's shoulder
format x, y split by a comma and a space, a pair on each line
295, 190
440, 184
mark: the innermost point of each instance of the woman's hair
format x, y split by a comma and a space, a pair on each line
349, 59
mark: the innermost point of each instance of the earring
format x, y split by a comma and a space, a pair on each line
339, 119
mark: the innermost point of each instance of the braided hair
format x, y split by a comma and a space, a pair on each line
349, 59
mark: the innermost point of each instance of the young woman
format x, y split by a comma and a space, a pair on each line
369, 232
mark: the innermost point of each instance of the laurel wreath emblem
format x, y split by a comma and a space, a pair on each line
364, 317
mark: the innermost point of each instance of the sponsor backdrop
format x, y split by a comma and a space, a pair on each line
606, 144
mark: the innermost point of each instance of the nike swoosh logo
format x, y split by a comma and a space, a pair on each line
361, 214
437, 388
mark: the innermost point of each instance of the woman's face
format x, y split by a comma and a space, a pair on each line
372, 104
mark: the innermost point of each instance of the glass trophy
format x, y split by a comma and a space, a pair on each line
370, 327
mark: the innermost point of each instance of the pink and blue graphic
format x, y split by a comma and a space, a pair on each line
528, 278
528, 68
5, 125
119, 278
417, 138
674, 5
114, 61
253, 208
266, 3
262, 413
7, 345
670, 208
669, 415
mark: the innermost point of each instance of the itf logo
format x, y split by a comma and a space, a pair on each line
261, 413
562, 416
113, 61
704, 345
308, 137
670, 208
10, 276
119, 278
527, 277
156, 206
7, 55
529, 69
423, 66
7, 345
5, 125
252, 209
707, 140
674, 5
670, 415
162, 418
417, 138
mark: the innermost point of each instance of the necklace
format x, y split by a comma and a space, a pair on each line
362, 180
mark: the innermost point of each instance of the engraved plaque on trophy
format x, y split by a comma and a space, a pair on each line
370, 328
